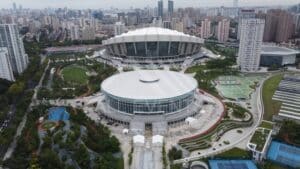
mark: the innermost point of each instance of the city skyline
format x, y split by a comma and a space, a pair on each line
106, 4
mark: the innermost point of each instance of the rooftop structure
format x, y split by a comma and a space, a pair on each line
260, 141
232, 164
284, 154
153, 34
279, 56
149, 85
277, 50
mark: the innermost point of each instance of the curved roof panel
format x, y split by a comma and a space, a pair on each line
153, 34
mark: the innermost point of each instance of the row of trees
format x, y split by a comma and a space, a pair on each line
18, 95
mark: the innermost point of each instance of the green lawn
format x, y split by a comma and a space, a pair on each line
75, 74
271, 107
48, 125
194, 69
266, 124
234, 153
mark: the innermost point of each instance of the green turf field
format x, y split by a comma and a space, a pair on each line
75, 74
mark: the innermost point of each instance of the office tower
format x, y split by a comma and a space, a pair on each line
14, 6
244, 14
10, 38
119, 28
223, 30
160, 9
170, 7
205, 28
5, 66
252, 31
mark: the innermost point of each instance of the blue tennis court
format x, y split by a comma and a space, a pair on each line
232, 164
58, 113
284, 154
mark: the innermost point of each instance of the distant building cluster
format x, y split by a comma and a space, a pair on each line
245, 29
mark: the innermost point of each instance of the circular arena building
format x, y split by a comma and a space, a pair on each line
150, 96
151, 45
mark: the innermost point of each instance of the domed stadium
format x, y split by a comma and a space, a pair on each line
150, 94
152, 45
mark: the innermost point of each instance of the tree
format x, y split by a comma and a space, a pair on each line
16, 89
82, 157
49, 160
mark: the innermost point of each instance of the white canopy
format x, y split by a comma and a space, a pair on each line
138, 139
157, 139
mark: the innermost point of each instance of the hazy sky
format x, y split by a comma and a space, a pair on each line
96, 4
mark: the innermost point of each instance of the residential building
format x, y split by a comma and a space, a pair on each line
10, 38
279, 26
167, 24
223, 30
88, 33
250, 44
244, 14
74, 32
119, 28
5, 66
205, 28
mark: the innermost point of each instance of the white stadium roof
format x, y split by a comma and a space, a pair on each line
149, 85
153, 34
277, 50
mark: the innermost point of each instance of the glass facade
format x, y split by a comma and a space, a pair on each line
154, 49
162, 106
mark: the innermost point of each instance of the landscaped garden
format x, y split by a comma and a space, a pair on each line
78, 142
236, 110
74, 78
204, 140
48, 125
234, 153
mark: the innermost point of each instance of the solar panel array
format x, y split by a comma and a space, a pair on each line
288, 92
